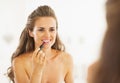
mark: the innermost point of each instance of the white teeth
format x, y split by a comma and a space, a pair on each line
46, 40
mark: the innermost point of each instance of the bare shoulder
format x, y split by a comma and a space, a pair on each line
19, 60
19, 69
68, 59
68, 65
93, 66
92, 71
66, 56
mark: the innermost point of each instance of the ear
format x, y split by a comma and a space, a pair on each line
31, 33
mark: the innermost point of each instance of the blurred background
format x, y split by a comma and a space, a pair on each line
82, 24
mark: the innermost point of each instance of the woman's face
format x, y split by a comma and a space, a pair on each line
44, 31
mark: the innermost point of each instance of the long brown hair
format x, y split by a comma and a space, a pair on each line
109, 63
26, 43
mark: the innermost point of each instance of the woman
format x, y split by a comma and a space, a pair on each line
49, 64
107, 68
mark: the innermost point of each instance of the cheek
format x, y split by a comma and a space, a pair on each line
36, 36
54, 35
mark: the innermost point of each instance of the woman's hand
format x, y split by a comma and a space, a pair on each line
38, 60
38, 63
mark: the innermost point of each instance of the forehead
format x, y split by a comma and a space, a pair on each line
45, 21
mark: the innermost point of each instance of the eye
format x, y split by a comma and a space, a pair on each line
52, 29
41, 29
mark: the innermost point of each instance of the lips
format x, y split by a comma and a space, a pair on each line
46, 41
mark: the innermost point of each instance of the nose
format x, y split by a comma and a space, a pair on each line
47, 34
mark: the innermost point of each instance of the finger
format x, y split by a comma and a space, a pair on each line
35, 53
42, 57
39, 54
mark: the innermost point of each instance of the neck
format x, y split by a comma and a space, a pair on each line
48, 52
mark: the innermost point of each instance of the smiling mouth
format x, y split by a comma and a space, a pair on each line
46, 41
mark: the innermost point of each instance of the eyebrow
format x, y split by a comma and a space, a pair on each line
43, 27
